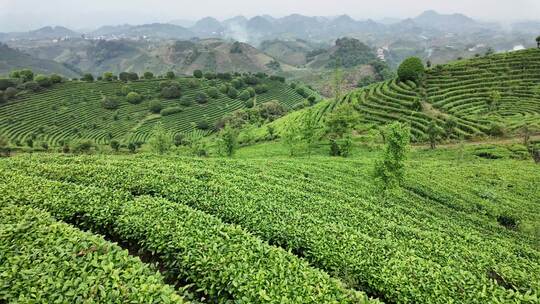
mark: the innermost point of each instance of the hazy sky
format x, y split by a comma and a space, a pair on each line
30, 14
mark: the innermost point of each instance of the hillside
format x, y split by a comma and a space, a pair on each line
183, 57
240, 228
12, 59
73, 110
495, 95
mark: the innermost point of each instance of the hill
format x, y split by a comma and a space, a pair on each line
75, 110
182, 57
495, 95
240, 228
12, 59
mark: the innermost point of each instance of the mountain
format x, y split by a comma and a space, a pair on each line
150, 31
208, 27
12, 59
44, 33
446, 23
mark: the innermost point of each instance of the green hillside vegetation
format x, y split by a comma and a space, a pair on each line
454, 232
128, 111
496, 95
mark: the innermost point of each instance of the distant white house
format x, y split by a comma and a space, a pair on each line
518, 47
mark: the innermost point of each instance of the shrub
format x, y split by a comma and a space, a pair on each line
249, 103
84, 146
110, 103
132, 147
244, 96
197, 74
251, 91
212, 92
148, 75
185, 101
31, 86
124, 90
87, 77
209, 75
201, 97
170, 111
179, 139
123, 76
277, 78
133, 98
2, 97
55, 78
224, 88
171, 91
10, 93
194, 83
155, 106
203, 125
261, 89
496, 129
228, 141
6, 83
507, 221
237, 84
224, 76
411, 68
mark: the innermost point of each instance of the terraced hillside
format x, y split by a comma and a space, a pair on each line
273, 230
469, 97
73, 110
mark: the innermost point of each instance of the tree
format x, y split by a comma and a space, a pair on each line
494, 100
411, 68
433, 132
110, 103
2, 99
115, 145
290, 137
55, 78
538, 41
170, 75
212, 92
133, 98
155, 106
171, 91
450, 126
244, 96
148, 75
123, 76
232, 92
25, 75
390, 170
108, 76
87, 77
198, 74
132, 147
339, 125
43, 81
179, 139
338, 81
310, 130
161, 140
201, 97
228, 141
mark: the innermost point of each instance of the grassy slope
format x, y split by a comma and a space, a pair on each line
72, 110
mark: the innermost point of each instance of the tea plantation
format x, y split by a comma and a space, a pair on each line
276, 230
101, 110
490, 95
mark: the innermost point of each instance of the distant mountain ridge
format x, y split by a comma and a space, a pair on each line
259, 28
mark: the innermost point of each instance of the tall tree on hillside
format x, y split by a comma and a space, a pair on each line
228, 141
161, 140
538, 41
310, 130
339, 126
338, 80
390, 170
434, 134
